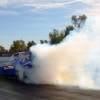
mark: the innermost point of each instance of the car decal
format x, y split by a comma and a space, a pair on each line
8, 67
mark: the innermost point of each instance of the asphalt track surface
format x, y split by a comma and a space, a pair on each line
13, 89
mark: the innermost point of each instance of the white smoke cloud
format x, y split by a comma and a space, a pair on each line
73, 62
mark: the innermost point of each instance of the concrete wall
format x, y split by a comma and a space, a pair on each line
4, 59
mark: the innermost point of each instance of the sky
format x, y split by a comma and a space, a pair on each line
35, 19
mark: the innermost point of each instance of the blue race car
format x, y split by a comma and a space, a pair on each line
16, 65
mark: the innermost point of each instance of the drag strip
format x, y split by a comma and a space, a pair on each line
12, 89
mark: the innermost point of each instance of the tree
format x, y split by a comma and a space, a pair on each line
30, 43
56, 37
2, 49
78, 21
43, 41
18, 45
68, 29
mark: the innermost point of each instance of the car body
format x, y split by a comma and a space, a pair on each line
19, 59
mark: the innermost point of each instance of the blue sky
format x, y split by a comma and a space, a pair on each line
34, 19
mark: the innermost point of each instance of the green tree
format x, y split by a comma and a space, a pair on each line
56, 37
43, 41
2, 49
30, 43
78, 21
18, 45
68, 29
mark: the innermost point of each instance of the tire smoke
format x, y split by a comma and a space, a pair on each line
75, 61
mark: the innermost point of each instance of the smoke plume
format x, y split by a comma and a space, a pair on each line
75, 61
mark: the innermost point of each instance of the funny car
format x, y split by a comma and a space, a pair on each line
16, 65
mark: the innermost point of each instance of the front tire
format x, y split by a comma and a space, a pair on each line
20, 74
19, 71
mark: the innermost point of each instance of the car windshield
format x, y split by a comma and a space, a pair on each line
13, 57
